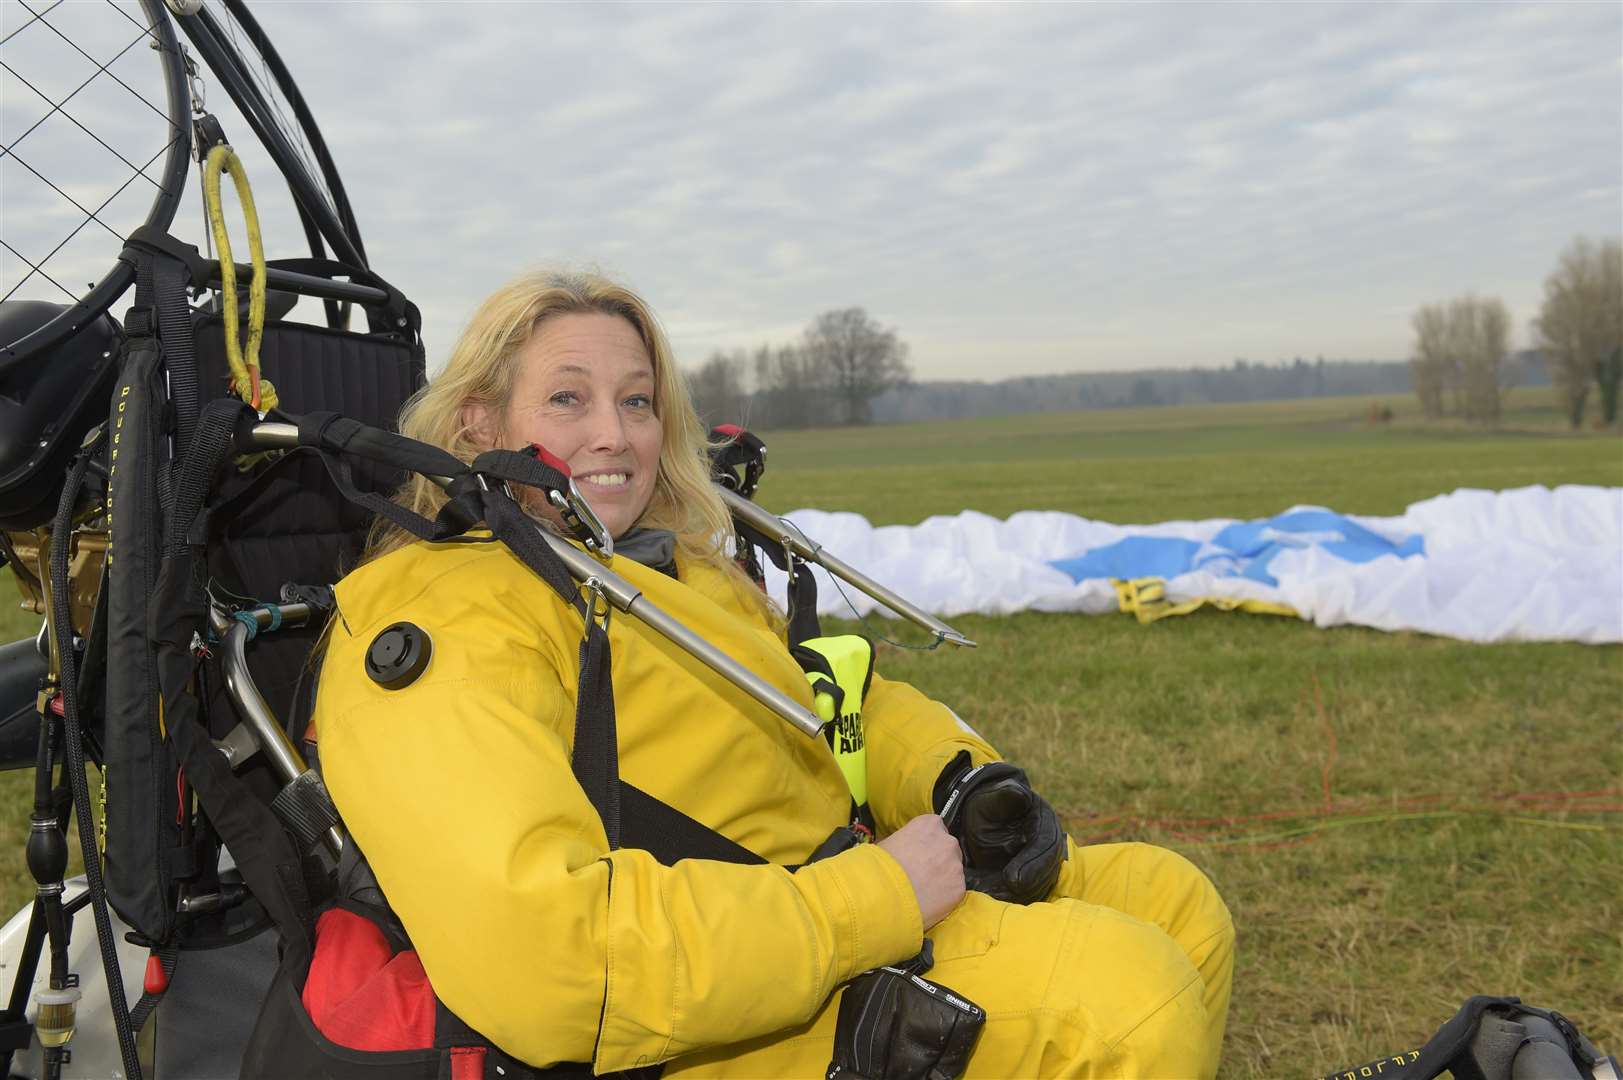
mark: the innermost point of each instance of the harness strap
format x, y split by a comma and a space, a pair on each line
596, 755
179, 355
670, 835
165, 957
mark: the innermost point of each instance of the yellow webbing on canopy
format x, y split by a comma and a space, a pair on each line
1146, 600
245, 380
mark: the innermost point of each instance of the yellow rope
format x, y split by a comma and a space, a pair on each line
245, 380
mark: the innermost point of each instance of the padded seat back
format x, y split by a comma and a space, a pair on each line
284, 521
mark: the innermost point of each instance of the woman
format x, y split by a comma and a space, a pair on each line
457, 786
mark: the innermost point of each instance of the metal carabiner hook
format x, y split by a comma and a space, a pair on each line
595, 593
194, 80
791, 561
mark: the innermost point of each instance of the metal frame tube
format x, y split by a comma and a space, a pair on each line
278, 749
305, 284
627, 598
804, 547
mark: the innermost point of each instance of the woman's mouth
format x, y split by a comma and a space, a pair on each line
605, 481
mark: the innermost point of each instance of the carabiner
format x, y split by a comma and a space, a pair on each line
595, 592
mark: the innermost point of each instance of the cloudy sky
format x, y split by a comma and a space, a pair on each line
1017, 188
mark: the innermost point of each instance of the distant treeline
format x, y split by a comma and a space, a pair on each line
1240, 381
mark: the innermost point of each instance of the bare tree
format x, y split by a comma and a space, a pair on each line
1580, 326
1459, 353
791, 391
718, 389
1482, 328
860, 359
1429, 370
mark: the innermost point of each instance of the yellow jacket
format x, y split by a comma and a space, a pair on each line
458, 789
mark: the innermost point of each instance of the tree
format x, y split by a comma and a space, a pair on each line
1580, 326
790, 390
718, 390
1459, 352
1482, 330
1428, 371
858, 358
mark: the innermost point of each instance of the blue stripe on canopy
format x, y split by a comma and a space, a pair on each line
1243, 549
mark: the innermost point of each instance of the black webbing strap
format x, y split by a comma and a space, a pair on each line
179, 352
520, 533
146, 239
218, 424
333, 437
167, 955
596, 755
670, 835
142, 323
333, 431
164, 267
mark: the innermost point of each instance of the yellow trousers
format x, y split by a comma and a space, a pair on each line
1124, 972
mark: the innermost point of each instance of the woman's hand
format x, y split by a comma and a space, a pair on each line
933, 862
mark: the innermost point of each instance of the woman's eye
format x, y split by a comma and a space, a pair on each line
640, 401
565, 397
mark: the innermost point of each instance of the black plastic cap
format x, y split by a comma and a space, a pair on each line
398, 655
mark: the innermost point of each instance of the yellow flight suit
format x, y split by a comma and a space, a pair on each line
458, 789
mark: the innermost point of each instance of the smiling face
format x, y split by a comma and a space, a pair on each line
585, 391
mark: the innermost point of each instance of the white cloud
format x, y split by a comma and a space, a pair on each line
1043, 185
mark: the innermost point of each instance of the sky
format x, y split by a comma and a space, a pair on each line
1015, 188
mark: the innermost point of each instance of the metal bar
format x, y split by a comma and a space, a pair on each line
625, 597
256, 713
789, 535
305, 284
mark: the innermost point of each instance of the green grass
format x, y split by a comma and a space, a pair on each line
1134, 465
1364, 935
1355, 939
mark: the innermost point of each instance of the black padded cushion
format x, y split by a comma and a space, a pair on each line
284, 521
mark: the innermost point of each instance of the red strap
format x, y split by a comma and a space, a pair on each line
467, 1063
359, 995
732, 430
547, 457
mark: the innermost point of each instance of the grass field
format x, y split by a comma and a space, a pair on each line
1408, 836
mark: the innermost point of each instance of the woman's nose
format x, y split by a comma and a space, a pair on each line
608, 433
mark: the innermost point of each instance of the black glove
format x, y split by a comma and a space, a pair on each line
896, 1025
1013, 845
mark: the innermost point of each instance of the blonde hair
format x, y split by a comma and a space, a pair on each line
483, 368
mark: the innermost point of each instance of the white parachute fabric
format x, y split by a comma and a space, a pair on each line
1530, 564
